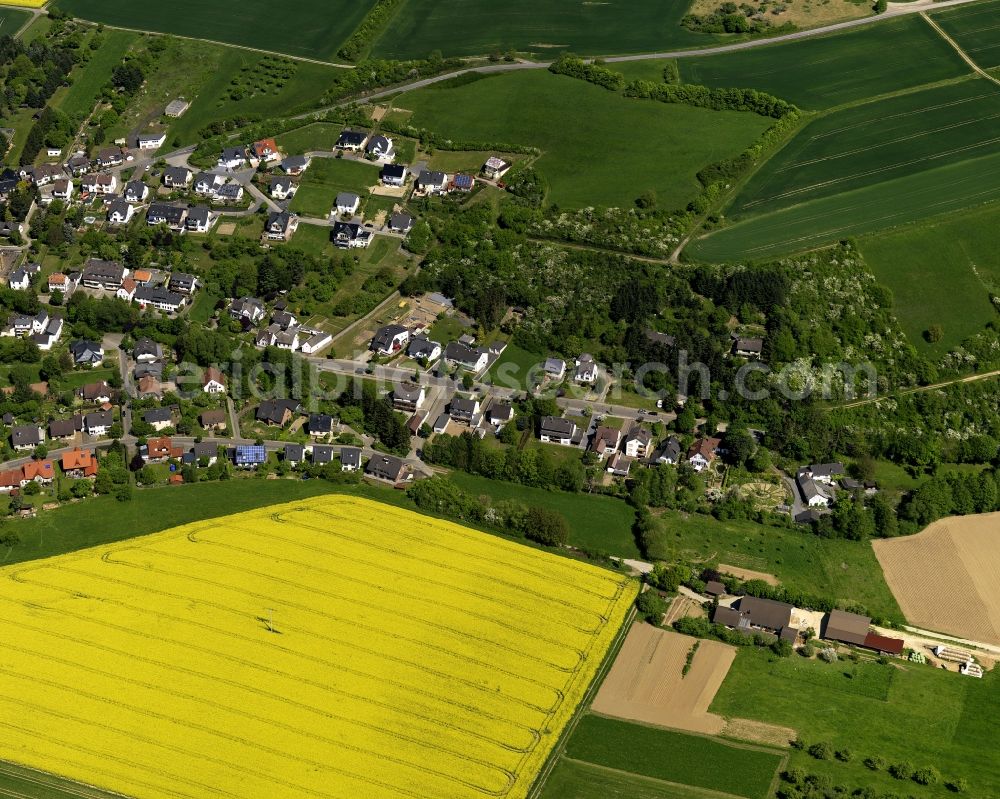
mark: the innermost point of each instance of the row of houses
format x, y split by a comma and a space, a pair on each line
167, 292
27, 437
42, 328
75, 464
284, 330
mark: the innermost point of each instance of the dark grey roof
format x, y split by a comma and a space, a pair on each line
157, 415
351, 138
161, 212
394, 171
320, 423
322, 454
767, 613
385, 467
459, 353
158, 294
350, 456
273, 410
463, 406
557, 426
198, 216
295, 452
431, 177
400, 221
25, 435
176, 174
295, 162
422, 347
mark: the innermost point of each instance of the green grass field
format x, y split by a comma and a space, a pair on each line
597, 523
11, 20
477, 27
325, 178
827, 71
511, 369
216, 70
614, 143
310, 29
916, 713
571, 779
674, 756
955, 261
974, 27
845, 570
79, 99
315, 136
25, 783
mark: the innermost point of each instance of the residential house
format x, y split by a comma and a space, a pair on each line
232, 158
423, 349
353, 140
135, 191
58, 281
465, 357
400, 222
826, 473
98, 423
556, 430
62, 189
249, 456
99, 183
752, 614
161, 448
78, 164
431, 182
316, 342
214, 419
182, 283
86, 353
637, 442
500, 413
98, 274
281, 188
408, 397
158, 418
389, 340
281, 225
265, 150
172, 216
249, 308
815, 493
109, 157
231, 193
287, 339
206, 452
206, 183
606, 441
176, 177
10, 480
79, 463
350, 235
146, 351
463, 182
586, 369
42, 471
703, 452
294, 454
495, 168
394, 174
65, 429
151, 141
295, 164
213, 381
98, 392
199, 219
379, 148
277, 412
26, 436
49, 335
160, 298
322, 455
350, 459
153, 369
669, 453
19, 280
284, 319
149, 387
554, 368
748, 347
347, 203
386, 467
320, 424
620, 464
120, 211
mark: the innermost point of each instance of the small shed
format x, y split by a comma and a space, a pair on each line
715, 588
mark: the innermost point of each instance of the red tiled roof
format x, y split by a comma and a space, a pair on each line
80, 459
43, 469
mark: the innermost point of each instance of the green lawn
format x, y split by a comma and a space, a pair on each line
315, 136
955, 261
11, 20
607, 159
76, 379
511, 369
80, 98
916, 713
675, 756
845, 570
571, 779
309, 28
822, 72
446, 329
261, 96
975, 29
601, 524
476, 27
325, 178
203, 307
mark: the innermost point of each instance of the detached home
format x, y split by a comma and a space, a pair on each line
176, 177
394, 174
379, 148
458, 354
389, 340
281, 188
408, 397
86, 353
281, 225
400, 222
99, 183
352, 140
347, 203
430, 182
98, 423
206, 183
350, 459
120, 211
158, 297
98, 274
586, 369
151, 141
350, 235
295, 164
265, 150
495, 168
232, 158
199, 219
386, 467
556, 430
135, 191
26, 436
172, 216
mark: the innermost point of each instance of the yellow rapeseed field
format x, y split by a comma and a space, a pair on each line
334, 647
24, 3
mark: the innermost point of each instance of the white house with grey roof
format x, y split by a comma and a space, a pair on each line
347, 203
557, 430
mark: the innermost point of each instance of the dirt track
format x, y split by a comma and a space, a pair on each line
947, 578
748, 574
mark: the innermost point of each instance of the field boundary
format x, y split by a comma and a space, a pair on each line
696, 792
958, 49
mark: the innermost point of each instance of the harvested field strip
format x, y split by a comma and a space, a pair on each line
945, 578
200, 653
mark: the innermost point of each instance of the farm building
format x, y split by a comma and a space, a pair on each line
752, 614
849, 628
883, 644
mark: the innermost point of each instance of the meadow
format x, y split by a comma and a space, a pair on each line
955, 260
674, 756
976, 30
615, 140
314, 136
325, 178
79, 99
310, 29
836, 69
571, 778
477, 27
846, 570
197, 662
599, 524
912, 713
11, 20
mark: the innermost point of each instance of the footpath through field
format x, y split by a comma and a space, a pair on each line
955, 46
